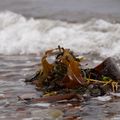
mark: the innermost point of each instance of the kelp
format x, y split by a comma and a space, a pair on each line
65, 72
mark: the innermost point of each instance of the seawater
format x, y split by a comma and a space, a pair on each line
22, 40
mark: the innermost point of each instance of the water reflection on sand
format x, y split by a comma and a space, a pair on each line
12, 73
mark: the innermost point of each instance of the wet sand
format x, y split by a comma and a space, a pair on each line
70, 10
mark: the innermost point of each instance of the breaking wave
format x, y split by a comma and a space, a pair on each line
19, 35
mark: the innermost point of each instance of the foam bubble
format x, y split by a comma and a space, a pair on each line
103, 98
19, 35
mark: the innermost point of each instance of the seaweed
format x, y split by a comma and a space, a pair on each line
66, 73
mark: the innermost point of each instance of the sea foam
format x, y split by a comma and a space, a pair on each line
20, 35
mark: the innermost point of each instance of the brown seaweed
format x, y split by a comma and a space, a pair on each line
66, 73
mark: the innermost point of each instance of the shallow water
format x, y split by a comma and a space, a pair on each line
20, 36
12, 76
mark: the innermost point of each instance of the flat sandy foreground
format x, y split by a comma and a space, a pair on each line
70, 10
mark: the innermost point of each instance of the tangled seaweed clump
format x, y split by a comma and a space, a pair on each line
65, 74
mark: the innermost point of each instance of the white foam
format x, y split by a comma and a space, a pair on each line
115, 117
116, 94
41, 105
19, 35
103, 98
